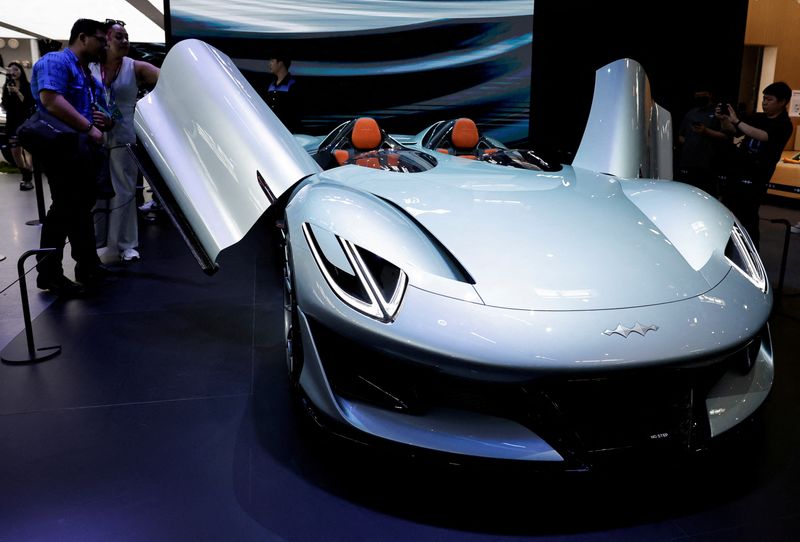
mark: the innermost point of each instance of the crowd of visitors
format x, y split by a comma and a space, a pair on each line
91, 86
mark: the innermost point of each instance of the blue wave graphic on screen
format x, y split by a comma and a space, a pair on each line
408, 63
215, 17
415, 64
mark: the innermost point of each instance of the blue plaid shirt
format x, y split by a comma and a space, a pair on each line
61, 73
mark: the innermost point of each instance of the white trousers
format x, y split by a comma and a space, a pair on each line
118, 228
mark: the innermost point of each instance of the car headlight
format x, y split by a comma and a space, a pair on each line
742, 254
360, 278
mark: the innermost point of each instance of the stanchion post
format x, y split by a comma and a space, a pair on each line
785, 255
14, 353
37, 181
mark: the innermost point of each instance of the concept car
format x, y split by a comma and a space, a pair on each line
534, 313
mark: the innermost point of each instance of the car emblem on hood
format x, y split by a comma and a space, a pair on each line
625, 331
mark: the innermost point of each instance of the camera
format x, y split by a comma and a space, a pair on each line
723, 108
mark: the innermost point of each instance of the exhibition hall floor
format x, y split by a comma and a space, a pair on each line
167, 417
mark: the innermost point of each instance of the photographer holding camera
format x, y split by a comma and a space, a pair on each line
757, 154
19, 105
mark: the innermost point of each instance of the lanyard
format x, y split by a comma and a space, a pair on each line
103, 75
87, 83
108, 91
109, 87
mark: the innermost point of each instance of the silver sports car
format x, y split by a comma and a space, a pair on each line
446, 293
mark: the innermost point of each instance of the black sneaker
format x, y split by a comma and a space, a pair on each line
60, 285
26, 185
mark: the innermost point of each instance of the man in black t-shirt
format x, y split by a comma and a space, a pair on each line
765, 136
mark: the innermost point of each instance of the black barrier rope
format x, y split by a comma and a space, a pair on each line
96, 212
17, 353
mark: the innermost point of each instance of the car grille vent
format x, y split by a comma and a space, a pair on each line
660, 408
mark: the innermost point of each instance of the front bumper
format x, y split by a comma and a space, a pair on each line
468, 379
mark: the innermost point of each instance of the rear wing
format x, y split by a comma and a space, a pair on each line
628, 134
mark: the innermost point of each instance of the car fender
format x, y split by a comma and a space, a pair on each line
372, 223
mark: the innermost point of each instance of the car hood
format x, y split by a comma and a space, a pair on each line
570, 240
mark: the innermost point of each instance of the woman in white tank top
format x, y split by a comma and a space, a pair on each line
121, 78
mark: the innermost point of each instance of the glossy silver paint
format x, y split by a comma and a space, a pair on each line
511, 273
459, 336
472, 340
208, 132
628, 134
534, 252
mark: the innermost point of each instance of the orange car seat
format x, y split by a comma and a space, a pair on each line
465, 140
366, 139
366, 136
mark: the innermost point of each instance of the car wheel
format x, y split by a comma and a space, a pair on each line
291, 322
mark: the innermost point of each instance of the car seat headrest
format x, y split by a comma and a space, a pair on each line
465, 134
366, 134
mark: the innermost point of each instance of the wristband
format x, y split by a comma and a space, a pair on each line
89, 128
737, 123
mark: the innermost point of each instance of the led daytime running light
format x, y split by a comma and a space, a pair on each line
377, 306
753, 268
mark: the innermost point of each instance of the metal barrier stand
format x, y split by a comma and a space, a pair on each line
16, 352
785, 255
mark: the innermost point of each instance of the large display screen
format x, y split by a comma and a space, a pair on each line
408, 63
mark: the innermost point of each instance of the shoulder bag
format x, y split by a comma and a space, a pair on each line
44, 132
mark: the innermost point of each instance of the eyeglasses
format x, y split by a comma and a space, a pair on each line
115, 21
